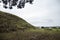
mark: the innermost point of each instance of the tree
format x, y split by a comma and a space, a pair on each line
19, 3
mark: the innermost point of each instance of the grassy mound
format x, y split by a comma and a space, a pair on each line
11, 28
9, 22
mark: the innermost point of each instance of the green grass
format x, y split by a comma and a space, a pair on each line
24, 30
32, 34
12, 22
40, 34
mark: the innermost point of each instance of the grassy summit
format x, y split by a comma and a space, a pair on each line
11, 26
9, 22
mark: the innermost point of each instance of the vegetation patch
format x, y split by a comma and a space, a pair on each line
15, 28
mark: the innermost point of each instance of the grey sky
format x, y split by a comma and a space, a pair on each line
41, 13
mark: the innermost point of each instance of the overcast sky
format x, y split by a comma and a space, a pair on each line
41, 13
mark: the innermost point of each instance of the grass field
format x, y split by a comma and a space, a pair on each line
40, 34
33, 34
16, 28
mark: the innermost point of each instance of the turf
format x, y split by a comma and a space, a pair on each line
16, 28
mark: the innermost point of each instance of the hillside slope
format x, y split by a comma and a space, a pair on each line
9, 22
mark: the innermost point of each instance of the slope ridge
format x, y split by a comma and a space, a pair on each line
9, 22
